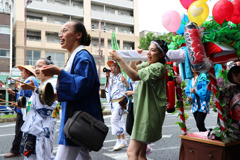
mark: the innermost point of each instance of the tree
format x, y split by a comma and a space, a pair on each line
145, 41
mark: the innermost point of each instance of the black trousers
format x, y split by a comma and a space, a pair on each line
130, 119
18, 134
200, 118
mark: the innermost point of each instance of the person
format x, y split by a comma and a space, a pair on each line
115, 91
27, 74
39, 124
130, 94
78, 85
149, 98
199, 97
230, 96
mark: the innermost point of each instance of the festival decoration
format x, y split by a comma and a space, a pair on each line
196, 50
198, 12
180, 105
184, 20
236, 13
171, 20
222, 10
186, 3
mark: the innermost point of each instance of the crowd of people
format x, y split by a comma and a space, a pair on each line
77, 86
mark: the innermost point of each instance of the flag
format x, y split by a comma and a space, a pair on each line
115, 47
114, 42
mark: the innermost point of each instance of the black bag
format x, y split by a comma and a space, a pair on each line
27, 145
123, 103
86, 131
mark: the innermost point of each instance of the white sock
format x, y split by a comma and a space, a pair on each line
118, 142
124, 141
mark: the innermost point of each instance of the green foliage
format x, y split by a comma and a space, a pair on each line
9, 116
145, 41
227, 33
181, 125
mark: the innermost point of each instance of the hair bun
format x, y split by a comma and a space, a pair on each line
49, 58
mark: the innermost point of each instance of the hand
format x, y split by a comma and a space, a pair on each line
129, 93
55, 96
107, 74
123, 79
50, 70
193, 90
10, 91
28, 86
139, 51
115, 56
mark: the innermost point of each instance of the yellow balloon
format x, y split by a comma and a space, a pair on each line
198, 12
203, 0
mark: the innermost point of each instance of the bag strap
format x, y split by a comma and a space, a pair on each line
69, 104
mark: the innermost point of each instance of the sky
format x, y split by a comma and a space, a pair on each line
151, 11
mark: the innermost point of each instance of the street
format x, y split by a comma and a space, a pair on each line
165, 149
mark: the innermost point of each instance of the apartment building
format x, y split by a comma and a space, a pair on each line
44, 19
4, 36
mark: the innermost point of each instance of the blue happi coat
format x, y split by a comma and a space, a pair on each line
81, 88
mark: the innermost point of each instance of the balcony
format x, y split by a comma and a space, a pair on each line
113, 18
117, 3
56, 8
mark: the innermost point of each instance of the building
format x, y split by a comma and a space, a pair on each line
5, 45
44, 19
5, 36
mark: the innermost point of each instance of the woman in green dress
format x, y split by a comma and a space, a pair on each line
149, 98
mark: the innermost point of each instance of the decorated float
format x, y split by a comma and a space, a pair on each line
207, 42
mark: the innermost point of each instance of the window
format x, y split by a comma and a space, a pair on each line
34, 18
4, 29
34, 35
4, 52
52, 37
96, 58
32, 57
57, 58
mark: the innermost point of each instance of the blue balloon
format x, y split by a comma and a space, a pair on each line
184, 20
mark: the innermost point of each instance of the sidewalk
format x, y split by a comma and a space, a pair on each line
106, 111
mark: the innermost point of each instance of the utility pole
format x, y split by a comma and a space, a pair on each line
25, 30
99, 51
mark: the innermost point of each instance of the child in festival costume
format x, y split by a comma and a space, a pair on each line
199, 97
115, 91
40, 124
149, 98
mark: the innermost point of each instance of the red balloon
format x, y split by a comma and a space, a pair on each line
236, 13
222, 10
186, 3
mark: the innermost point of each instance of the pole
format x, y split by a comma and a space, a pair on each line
99, 52
10, 65
25, 34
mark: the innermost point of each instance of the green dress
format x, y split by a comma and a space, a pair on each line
149, 103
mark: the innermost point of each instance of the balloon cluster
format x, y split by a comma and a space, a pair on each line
227, 10
198, 11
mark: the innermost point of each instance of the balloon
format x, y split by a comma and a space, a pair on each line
184, 20
171, 20
236, 12
222, 10
186, 3
198, 12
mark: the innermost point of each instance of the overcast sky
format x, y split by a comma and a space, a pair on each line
151, 11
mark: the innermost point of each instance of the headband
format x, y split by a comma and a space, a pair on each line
160, 48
